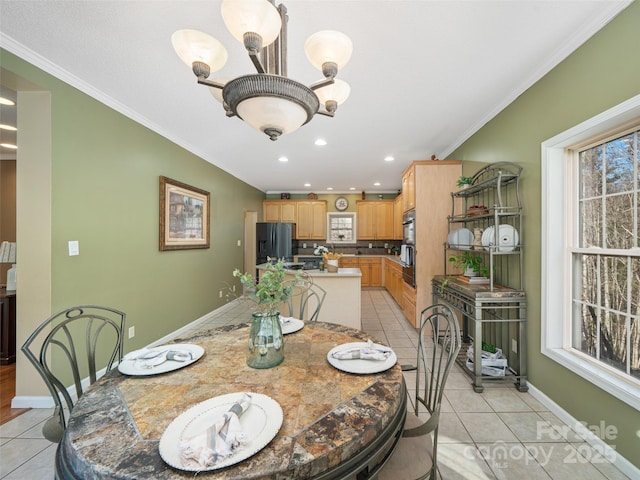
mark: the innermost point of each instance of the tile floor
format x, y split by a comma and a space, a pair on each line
498, 434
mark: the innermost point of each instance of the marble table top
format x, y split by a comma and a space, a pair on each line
329, 415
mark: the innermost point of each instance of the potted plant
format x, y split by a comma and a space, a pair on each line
266, 348
472, 265
464, 182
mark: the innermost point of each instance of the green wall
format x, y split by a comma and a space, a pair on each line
602, 73
105, 188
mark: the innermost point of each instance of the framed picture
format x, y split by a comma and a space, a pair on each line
184, 216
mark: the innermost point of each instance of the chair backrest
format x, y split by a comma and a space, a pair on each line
307, 299
78, 342
438, 347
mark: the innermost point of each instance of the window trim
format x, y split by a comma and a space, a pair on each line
555, 288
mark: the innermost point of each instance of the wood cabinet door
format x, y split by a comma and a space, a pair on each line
289, 212
271, 211
304, 224
318, 220
383, 220
409, 189
397, 218
365, 221
375, 273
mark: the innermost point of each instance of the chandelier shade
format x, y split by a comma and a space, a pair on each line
194, 46
337, 92
271, 104
268, 100
252, 16
328, 46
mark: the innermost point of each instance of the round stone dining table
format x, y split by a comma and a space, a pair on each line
336, 425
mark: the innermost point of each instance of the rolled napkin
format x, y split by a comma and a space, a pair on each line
370, 351
149, 358
220, 440
284, 320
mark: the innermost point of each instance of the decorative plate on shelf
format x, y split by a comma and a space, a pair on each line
461, 238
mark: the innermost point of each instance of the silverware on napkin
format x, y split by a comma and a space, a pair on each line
220, 440
149, 358
370, 351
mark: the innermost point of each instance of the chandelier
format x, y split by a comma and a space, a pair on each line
268, 100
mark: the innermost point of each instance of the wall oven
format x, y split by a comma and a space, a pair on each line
408, 249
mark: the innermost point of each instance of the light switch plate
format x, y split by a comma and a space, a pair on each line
74, 248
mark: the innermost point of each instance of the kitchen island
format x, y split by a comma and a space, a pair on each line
342, 303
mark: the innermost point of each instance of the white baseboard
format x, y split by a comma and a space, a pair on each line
29, 401
603, 448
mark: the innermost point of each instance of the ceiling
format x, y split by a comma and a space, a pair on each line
424, 76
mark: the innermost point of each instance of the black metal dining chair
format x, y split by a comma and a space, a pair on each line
438, 346
79, 344
308, 297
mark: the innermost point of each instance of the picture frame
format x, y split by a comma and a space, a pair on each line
184, 216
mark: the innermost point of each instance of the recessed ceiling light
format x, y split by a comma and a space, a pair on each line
377, 184
8, 145
389, 158
352, 188
7, 127
321, 142
329, 188
307, 184
6, 101
283, 159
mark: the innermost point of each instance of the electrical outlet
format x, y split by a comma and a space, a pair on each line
239, 243
220, 294
371, 245
233, 288
132, 332
514, 345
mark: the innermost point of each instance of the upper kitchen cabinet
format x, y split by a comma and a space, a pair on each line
409, 188
375, 219
397, 217
310, 216
312, 220
280, 211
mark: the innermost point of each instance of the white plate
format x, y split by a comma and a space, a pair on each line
358, 365
487, 237
508, 238
261, 422
461, 238
133, 367
293, 325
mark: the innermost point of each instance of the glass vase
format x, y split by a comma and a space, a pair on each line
266, 348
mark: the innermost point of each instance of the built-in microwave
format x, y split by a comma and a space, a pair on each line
408, 249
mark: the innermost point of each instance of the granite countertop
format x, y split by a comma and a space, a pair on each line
329, 415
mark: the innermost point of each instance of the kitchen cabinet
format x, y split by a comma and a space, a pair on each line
310, 216
409, 301
409, 188
433, 180
280, 211
312, 220
397, 217
393, 280
371, 269
375, 219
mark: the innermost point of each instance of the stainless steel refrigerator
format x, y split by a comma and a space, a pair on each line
275, 240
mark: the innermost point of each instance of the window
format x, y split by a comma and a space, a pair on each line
341, 228
593, 171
